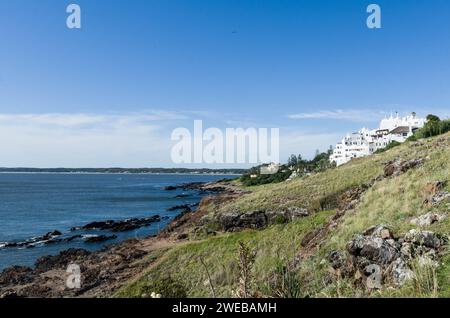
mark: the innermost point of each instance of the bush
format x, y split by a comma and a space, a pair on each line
391, 145
285, 283
434, 127
280, 176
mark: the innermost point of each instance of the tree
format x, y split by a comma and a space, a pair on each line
433, 118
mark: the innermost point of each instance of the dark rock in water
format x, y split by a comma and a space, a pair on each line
120, 226
62, 260
184, 207
180, 196
100, 238
16, 275
99, 225
50, 235
170, 188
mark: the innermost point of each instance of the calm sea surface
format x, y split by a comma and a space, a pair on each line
33, 204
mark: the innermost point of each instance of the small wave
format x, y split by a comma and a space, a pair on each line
38, 243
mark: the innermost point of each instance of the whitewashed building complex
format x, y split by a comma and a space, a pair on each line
365, 142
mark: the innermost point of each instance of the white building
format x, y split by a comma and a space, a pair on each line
365, 142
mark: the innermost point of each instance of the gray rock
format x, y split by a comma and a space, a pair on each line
425, 238
397, 167
233, 221
439, 197
399, 272
379, 257
379, 251
428, 219
336, 259
375, 249
381, 231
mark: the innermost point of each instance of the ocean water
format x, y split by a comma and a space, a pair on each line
33, 204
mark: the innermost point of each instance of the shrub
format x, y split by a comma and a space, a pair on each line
434, 127
285, 283
391, 145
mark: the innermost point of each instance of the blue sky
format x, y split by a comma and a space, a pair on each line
111, 93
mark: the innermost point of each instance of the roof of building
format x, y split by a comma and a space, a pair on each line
400, 130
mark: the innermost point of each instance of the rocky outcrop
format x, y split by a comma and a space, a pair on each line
434, 193
102, 272
235, 221
62, 260
378, 258
286, 215
204, 188
16, 275
398, 167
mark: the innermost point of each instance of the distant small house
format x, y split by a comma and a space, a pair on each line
270, 169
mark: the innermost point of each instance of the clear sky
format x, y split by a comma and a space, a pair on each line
111, 93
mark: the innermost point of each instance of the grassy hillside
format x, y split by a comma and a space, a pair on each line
393, 201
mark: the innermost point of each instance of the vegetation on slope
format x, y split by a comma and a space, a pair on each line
433, 127
295, 165
393, 201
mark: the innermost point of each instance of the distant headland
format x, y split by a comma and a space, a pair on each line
124, 170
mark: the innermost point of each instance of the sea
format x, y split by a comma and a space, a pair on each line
33, 204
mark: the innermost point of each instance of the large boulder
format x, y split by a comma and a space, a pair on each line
399, 272
397, 167
235, 220
286, 215
375, 249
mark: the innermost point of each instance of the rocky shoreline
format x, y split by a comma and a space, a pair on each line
57, 236
106, 270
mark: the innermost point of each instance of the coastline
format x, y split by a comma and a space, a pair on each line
126, 173
22, 281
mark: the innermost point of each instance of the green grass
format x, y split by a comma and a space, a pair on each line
279, 242
392, 201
